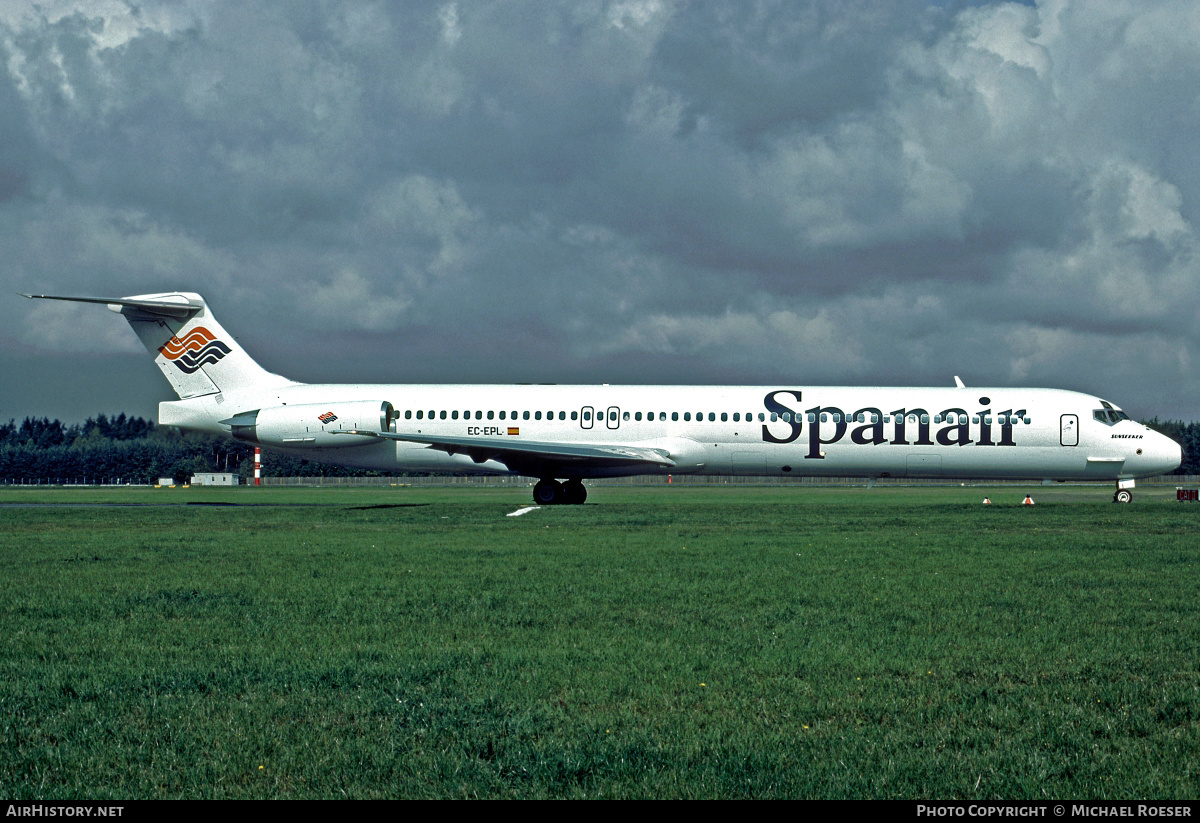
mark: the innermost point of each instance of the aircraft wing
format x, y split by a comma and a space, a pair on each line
520, 455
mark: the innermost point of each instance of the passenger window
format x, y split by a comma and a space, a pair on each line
537, 415
524, 415
501, 414
736, 415
712, 417
491, 415
675, 416
687, 416
625, 416
454, 414
408, 414
420, 414
637, 416
574, 415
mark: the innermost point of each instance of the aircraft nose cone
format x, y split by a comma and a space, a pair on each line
1167, 455
1176, 458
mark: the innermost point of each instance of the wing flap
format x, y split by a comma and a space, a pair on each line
508, 451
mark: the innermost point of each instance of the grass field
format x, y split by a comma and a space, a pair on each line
656, 642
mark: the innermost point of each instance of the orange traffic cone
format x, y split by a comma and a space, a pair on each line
1028, 501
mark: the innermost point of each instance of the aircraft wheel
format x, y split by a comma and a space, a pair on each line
574, 492
1123, 496
548, 492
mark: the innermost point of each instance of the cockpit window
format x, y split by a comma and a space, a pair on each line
1108, 415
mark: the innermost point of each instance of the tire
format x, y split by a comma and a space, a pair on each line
1123, 496
548, 492
574, 492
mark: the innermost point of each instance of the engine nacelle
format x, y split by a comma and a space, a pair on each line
312, 425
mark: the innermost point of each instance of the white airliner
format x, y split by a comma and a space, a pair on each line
562, 435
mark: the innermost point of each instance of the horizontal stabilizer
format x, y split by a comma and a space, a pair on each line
188, 345
168, 305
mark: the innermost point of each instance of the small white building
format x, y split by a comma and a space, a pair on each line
215, 479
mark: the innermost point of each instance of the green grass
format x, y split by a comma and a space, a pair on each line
657, 642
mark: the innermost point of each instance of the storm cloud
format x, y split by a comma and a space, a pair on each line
784, 193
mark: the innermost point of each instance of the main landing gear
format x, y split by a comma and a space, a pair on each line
549, 492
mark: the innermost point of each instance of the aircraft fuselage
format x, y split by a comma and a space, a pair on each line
723, 430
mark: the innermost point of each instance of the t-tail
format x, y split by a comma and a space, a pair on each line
197, 356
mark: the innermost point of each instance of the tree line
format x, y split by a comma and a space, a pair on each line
125, 449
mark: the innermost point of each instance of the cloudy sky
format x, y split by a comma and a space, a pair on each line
643, 191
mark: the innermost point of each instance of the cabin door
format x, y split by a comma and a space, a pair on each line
1069, 430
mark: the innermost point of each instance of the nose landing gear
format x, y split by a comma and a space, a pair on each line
1124, 492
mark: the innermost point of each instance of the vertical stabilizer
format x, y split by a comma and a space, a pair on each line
194, 352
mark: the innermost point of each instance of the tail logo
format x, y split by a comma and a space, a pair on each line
199, 348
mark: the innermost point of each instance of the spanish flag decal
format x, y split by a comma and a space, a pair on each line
513, 430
